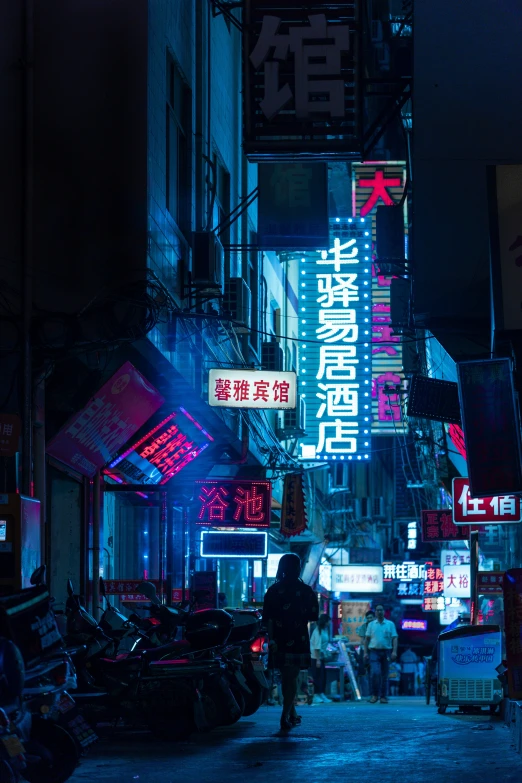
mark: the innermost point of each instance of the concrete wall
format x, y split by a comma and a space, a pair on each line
467, 115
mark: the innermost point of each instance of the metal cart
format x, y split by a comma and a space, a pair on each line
467, 658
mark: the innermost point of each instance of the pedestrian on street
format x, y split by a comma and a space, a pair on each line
362, 664
380, 646
319, 647
289, 606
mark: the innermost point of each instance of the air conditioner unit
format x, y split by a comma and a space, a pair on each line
208, 262
237, 302
272, 356
292, 423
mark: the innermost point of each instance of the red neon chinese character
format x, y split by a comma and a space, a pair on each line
261, 390
250, 504
213, 503
388, 405
281, 391
433, 531
430, 573
382, 333
241, 390
447, 527
222, 390
379, 183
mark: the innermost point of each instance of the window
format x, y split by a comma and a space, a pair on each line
178, 191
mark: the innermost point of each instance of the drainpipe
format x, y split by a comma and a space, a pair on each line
96, 515
27, 249
40, 486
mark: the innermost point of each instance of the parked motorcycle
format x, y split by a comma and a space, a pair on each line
172, 696
15, 722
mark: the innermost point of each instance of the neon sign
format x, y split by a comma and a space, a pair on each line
233, 503
335, 359
434, 582
414, 625
163, 451
374, 184
244, 544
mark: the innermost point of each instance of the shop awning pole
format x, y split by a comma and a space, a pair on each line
474, 563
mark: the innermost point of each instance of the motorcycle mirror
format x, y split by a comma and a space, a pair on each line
38, 576
149, 591
70, 589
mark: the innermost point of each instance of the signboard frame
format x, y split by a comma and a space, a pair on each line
232, 389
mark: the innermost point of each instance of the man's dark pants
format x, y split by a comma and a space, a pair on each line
379, 671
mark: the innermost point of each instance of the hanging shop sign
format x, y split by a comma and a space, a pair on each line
252, 389
357, 579
414, 625
434, 582
292, 206
233, 503
335, 366
433, 603
376, 184
438, 525
300, 85
405, 571
501, 509
249, 544
162, 451
10, 427
293, 511
430, 398
512, 589
352, 615
491, 427
489, 582
457, 581
115, 413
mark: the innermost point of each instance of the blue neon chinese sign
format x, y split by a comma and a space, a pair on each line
335, 357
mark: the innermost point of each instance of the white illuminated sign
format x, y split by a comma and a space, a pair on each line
335, 366
252, 389
357, 579
272, 564
404, 572
457, 581
325, 576
412, 535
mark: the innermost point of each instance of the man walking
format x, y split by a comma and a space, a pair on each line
380, 646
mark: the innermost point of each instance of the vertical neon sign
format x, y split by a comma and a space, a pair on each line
335, 352
375, 184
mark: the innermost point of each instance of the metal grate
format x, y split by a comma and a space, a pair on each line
470, 690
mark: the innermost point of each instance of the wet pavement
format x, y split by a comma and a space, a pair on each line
401, 742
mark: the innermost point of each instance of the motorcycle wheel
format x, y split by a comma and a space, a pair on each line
254, 700
57, 751
226, 719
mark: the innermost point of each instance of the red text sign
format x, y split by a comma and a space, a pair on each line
235, 503
438, 525
500, 509
252, 389
434, 582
